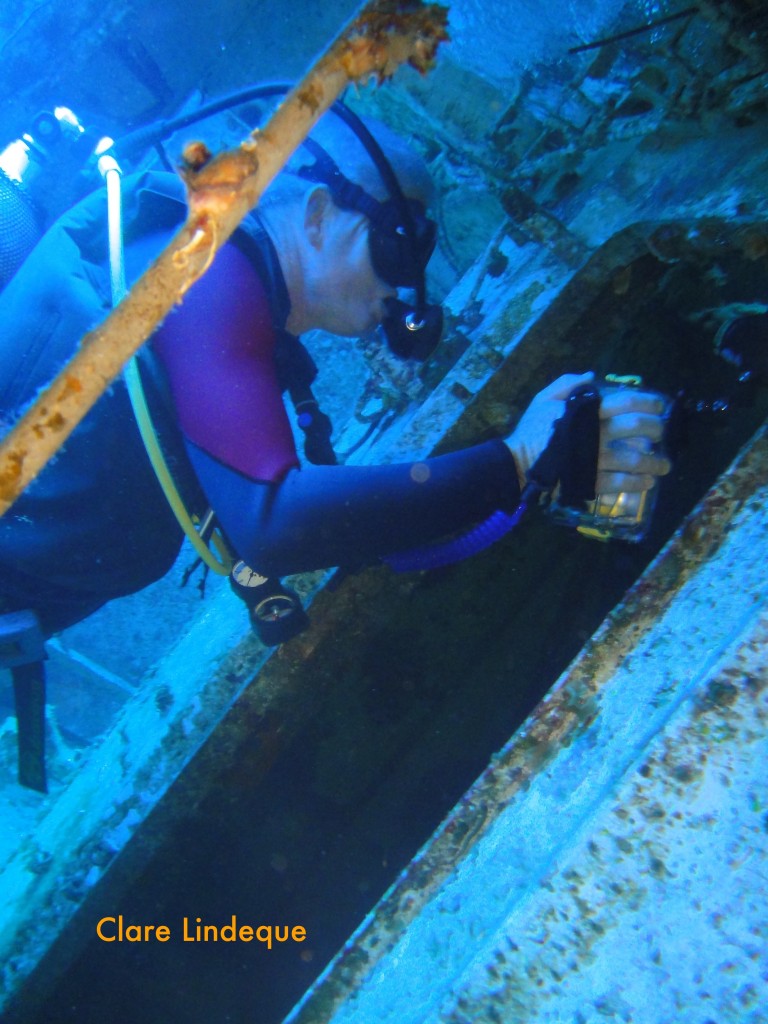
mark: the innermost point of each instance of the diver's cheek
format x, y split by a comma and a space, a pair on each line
356, 320
366, 322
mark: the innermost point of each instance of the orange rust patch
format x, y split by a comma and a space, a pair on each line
72, 385
10, 476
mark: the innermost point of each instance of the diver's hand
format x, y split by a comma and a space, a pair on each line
631, 422
531, 435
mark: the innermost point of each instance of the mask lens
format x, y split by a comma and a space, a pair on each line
398, 258
385, 257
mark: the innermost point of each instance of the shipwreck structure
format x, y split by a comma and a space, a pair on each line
530, 786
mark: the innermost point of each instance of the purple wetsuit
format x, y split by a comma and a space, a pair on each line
218, 350
95, 524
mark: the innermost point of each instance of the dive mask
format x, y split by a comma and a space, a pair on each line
401, 240
400, 252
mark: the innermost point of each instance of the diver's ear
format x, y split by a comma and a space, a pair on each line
317, 202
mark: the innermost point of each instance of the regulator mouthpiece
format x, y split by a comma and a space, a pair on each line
412, 333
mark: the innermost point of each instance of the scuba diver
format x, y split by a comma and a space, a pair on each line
340, 242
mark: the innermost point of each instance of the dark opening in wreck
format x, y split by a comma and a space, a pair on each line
311, 809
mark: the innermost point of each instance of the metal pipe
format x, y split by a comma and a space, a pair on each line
221, 190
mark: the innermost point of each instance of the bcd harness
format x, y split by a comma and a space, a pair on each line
275, 611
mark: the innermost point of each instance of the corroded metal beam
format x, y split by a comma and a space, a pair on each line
625, 793
221, 191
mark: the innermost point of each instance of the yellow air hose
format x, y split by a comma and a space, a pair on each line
222, 565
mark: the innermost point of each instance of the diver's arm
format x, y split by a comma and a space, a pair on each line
323, 516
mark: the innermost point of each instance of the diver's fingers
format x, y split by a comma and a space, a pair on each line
562, 387
615, 483
618, 401
629, 457
631, 424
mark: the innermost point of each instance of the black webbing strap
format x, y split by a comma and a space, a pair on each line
29, 693
22, 651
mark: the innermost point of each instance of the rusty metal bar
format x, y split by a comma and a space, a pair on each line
221, 191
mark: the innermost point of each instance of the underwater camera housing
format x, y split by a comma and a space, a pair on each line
607, 516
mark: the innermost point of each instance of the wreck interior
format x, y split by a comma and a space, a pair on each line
602, 175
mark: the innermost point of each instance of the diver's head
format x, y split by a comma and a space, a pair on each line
360, 181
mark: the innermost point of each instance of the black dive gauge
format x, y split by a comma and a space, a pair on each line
275, 611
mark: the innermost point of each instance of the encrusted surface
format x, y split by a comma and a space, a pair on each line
656, 912
628, 814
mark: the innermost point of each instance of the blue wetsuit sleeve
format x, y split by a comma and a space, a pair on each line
324, 516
